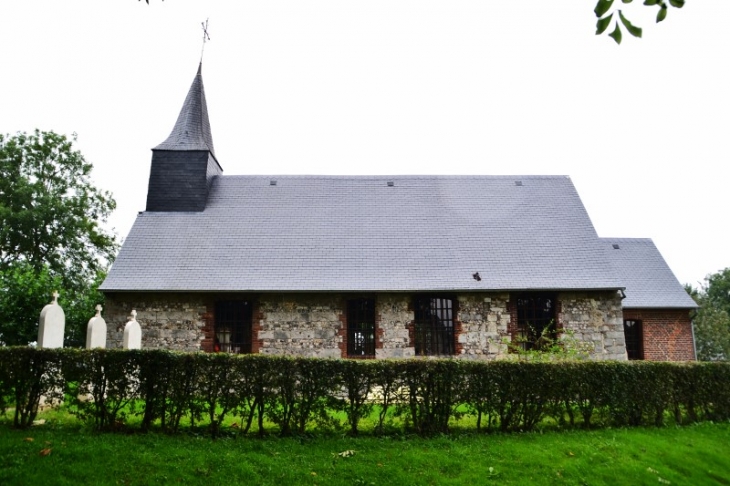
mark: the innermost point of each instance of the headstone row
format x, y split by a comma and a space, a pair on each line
52, 324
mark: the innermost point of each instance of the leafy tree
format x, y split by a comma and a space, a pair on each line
50, 212
718, 289
712, 321
50, 234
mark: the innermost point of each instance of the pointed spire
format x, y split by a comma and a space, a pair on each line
192, 128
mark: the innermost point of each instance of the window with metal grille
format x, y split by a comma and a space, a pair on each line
536, 327
361, 328
434, 326
634, 339
233, 326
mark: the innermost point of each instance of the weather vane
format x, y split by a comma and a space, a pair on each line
206, 37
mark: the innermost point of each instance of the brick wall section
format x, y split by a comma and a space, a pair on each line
208, 328
258, 318
667, 333
595, 318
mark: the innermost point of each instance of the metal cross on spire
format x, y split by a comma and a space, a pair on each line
206, 37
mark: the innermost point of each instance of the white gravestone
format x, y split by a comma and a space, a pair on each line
96, 331
51, 325
133, 333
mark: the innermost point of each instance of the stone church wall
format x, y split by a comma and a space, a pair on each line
595, 319
168, 320
315, 324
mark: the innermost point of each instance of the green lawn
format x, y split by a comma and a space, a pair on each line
60, 452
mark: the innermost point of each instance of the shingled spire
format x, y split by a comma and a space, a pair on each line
184, 164
192, 128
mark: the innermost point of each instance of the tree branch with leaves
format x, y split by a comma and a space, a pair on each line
609, 15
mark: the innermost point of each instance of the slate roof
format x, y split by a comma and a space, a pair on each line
341, 233
649, 281
192, 128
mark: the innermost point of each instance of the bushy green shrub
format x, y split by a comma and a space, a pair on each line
298, 394
29, 377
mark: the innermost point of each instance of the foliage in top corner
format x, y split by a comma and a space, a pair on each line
609, 15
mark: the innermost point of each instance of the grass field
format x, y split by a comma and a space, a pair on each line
62, 452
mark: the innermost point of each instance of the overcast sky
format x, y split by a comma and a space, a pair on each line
399, 87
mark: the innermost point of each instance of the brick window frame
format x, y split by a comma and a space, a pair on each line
246, 344
346, 332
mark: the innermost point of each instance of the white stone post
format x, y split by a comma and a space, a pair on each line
132, 333
51, 325
96, 331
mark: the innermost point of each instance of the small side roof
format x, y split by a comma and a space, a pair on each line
648, 279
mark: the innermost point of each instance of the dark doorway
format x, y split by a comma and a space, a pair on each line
634, 339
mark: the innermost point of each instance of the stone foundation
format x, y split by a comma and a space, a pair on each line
314, 325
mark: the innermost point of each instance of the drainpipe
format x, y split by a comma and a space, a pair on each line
692, 327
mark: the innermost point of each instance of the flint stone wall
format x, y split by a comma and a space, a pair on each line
168, 320
595, 319
395, 315
313, 324
300, 324
483, 322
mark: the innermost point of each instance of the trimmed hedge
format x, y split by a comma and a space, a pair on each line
297, 394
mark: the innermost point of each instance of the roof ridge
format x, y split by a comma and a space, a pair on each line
397, 176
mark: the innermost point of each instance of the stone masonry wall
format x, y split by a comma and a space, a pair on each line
168, 321
484, 319
314, 324
667, 333
300, 324
595, 318
395, 315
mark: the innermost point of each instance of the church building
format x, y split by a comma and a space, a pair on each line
473, 267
